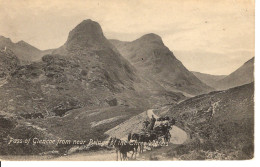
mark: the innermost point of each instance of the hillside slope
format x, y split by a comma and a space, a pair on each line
220, 122
243, 75
208, 79
154, 60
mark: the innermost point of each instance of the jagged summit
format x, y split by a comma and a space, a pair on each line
88, 34
102, 63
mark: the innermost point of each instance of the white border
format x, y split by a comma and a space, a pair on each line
248, 163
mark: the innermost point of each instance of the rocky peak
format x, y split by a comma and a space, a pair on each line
88, 34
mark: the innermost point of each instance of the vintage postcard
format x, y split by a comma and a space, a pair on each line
121, 80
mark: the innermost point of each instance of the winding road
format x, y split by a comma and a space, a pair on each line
178, 136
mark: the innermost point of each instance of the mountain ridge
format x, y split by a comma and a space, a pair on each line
152, 58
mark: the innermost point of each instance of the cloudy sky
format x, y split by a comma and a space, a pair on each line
214, 37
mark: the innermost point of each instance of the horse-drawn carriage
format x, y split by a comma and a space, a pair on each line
150, 136
161, 129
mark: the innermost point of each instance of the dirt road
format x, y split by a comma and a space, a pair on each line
134, 125
178, 136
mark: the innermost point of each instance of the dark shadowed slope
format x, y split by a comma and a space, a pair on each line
24, 51
208, 78
243, 75
85, 72
153, 59
220, 122
87, 44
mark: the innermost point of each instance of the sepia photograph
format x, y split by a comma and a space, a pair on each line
127, 80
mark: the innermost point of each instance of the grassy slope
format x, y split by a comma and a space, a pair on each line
78, 124
243, 75
220, 122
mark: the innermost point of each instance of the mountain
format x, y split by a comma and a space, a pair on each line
24, 51
85, 71
220, 124
154, 60
243, 75
79, 91
87, 41
208, 78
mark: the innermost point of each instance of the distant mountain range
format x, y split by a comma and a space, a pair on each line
89, 70
243, 75
24, 51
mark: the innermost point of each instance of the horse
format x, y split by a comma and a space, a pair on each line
123, 148
115, 143
141, 139
167, 138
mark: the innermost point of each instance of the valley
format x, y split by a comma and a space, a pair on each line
95, 88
